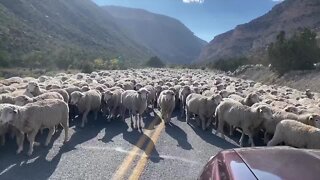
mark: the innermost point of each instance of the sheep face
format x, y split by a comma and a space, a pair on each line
265, 112
254, 98
32, 86
138, 86
76, 97
292, 109
8, 114
143, 94
170, 95
314, 120
22, 100
107, 96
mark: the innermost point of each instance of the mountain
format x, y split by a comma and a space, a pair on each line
163, 36
51, 27
251, 39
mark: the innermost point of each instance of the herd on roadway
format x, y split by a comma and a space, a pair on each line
187, 104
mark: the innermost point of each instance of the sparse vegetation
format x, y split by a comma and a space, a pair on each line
230, 64
155, 62
300, 52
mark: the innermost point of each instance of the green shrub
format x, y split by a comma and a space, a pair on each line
87, 67
155, 62
300, 52
230, 64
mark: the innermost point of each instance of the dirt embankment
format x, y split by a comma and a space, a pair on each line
300, 80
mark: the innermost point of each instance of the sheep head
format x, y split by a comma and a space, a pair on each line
22, 100
76, 97
143, 93
9, 114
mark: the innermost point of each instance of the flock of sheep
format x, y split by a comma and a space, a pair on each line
29, 105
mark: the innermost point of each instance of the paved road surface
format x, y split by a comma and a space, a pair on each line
113, 150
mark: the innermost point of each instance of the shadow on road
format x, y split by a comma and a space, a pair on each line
209, 137
178, 134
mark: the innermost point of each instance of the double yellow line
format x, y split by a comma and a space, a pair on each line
137, 171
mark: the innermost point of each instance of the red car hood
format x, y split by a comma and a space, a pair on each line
281, 162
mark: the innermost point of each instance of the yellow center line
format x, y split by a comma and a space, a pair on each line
122, 169
137, 171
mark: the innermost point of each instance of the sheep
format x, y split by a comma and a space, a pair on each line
296, 134
31, 117
86, 102
238, 115
183, 94
202, 106
136, 103
249, 100
6, 98
113, 101
23, 100
151, 96
33, 89
166, 102
63, 93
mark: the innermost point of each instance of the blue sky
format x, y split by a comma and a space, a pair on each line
206, 18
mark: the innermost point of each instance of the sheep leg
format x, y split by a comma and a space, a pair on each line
231, 128
265, 137
241, 139
136, 121
84, 118
210, 120
20, 140
31, 136
251, 140
274, 141
65, 126
203, 122
51, 132
187, 116
140, 121
95, 113
3, 140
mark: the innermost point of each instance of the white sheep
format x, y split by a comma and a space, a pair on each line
33, 89
166, 103
238, 115
113, 101
31, 117
23, 100
183, 94
203, 106
136, 103
296, 134
86, 102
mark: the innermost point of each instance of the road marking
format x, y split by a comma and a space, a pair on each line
137, 171
123, 168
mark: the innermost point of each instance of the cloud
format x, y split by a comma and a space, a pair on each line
193, 1
277, 0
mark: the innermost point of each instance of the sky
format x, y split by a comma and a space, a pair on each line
205, 18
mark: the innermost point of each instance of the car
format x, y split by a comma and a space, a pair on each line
270, 163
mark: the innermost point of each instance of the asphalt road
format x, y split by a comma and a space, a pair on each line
113, 150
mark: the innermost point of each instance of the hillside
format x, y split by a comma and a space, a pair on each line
251, 39
54, 29
165, 37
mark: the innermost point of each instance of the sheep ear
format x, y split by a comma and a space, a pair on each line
311, 118
15, 111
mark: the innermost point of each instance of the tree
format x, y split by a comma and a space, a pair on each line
87, 67
300, 52
155, 62
230, 64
